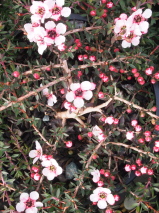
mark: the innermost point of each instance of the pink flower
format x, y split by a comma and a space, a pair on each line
80, 92
96, 131
51, 98
68, 144
127, 168
129, 135
36, 154
52, 169
109, 120
96, 175
102, 196
130, 38
28, 202
139, 18
56, 10
54, 33
143, 170
40, 9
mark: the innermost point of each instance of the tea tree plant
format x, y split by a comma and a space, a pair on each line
79, 106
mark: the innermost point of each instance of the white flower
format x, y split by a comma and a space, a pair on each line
52, 169
102, 196
28, 202
51, 97
80, 92
36, 154
96, 175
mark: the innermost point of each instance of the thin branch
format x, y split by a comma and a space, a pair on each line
133, 148
22, 98
83, 29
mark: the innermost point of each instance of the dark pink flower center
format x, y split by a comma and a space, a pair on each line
56, 10
138, 19
52, 168
79, 92
41, 10
29, 203
52, 34
102, 195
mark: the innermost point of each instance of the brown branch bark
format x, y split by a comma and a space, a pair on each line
133, 148
22, 98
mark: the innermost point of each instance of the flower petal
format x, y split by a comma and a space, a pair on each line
38, 146
59, 170
147, 13
24, 196
50, 25
60, 3
35, 159
136, 41
78, 102
34, 195
70, 96
61, 28
60, 39
110, 199
102, 204
75, 86
87, 95
94, 197
38, 204
31, 210
20, 207
50, 176
66, 11
86, 85
33, 153
125, 44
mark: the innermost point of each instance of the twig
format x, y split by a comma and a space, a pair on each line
35, 128
22, 98
133, 148
40, 181
83, 29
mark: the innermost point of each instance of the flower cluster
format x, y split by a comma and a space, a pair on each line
52, 168
130, 29
139, 168
28, 202
43, 32
78, 92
